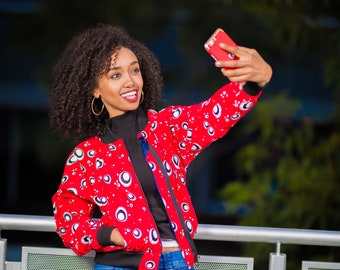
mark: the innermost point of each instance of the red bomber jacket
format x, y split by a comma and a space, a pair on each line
101, 174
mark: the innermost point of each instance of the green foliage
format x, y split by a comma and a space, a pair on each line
285, 169
288, 175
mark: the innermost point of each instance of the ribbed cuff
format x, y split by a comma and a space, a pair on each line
252, 88
104, 235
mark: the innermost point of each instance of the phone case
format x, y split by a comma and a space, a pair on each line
213, 48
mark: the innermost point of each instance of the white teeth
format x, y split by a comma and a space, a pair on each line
130, 94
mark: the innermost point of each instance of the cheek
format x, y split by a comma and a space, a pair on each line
111, 87
109, 92
140, 81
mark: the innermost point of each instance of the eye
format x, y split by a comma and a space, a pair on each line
136, 70
115, 76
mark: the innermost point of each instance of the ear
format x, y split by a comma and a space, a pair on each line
96, 93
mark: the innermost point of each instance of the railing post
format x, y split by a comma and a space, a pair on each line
277, 260
3, 247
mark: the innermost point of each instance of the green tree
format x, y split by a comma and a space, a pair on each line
288, 175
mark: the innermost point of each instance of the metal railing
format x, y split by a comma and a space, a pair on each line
277, 236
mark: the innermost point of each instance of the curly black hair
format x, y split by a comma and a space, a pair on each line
75, 76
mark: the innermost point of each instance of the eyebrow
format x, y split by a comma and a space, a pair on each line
131, 64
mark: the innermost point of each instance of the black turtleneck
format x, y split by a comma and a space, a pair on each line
127, 127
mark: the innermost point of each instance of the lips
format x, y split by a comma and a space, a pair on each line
130, 95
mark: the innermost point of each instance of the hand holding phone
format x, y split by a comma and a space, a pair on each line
212, 46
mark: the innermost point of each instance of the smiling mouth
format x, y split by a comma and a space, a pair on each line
131, 94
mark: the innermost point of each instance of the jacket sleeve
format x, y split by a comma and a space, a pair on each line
194, 127
73, 208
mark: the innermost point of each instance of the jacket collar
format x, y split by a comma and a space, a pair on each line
136, 120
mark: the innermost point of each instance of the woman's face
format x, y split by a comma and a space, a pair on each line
120, 89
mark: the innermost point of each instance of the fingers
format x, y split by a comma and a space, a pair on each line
228, 48
236, 74
248, 65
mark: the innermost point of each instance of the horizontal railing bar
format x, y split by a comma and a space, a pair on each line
204, 232
27, 223
268, 235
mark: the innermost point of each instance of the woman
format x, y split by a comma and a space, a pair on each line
131, 161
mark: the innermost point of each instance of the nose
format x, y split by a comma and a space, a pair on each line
129, 81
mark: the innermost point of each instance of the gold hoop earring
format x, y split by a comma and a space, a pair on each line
92, 108
141, 97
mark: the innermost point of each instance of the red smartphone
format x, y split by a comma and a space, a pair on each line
212, 46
